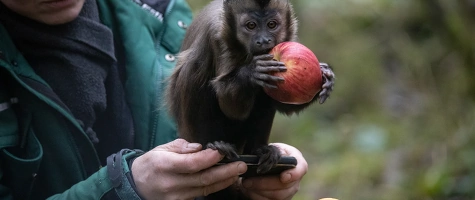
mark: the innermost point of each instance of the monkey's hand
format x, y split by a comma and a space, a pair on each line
226, 149
269, 156
262, 66
328, 82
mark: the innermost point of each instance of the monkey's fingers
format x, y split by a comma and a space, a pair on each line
324, 65
322, 97
269, 69
327, 71
270, 63
263, 57
327, 88
328, 82
266, 80
223, 148
269, 156
264, 84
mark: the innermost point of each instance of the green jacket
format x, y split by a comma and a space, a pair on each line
44, 153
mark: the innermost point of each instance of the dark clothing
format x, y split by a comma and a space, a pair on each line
68, 100
78, 62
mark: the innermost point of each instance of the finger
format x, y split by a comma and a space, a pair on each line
270, 63
266, 77
268, 69
327, 84
257, 193
323, 98
270, 183
226, 149
205, 180
284, 194
323, 92
209, 189
285, 149
192, 162
264, 84
216, 174
179, 146
329, 74
264, 57
300, 170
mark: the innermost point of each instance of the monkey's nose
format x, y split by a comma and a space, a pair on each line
263, 41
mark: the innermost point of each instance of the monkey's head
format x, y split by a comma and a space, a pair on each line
258, 25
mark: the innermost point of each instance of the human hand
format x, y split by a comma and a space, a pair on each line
281, 187
181, 170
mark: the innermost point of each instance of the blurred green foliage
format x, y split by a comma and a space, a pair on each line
400, 123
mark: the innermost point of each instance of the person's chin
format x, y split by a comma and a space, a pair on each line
55, 12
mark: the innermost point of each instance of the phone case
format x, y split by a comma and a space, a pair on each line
285, 163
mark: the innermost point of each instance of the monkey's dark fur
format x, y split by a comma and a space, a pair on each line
216, 92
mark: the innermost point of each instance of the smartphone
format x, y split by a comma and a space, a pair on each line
285, 163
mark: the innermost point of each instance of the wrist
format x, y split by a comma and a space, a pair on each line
120, 174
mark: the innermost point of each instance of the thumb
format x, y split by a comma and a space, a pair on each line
179, 146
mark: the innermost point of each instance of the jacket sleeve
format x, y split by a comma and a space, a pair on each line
111, 182
115, 180
8, 135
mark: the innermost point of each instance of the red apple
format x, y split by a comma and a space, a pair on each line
303, 78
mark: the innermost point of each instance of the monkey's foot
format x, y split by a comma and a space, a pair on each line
269, 156
226, 149
328, 82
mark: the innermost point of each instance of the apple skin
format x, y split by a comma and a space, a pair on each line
303, 78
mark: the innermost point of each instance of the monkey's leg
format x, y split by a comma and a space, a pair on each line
258, 128
226, 149
328, 82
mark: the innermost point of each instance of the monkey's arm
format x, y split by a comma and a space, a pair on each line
327, 87
236, 90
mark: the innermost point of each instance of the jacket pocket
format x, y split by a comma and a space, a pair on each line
8, 122
21, 162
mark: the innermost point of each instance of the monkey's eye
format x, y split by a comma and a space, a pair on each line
251, 25
272, 24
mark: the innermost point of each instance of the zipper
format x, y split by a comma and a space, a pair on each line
159, 96
149, 9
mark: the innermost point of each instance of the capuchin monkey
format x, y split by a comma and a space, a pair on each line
216, 91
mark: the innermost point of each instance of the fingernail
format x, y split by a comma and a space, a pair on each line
242, 168
193, 146
286, 177
247, 183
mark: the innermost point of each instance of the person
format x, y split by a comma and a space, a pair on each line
81, 116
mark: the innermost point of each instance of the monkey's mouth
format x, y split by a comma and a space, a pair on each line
262, 51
